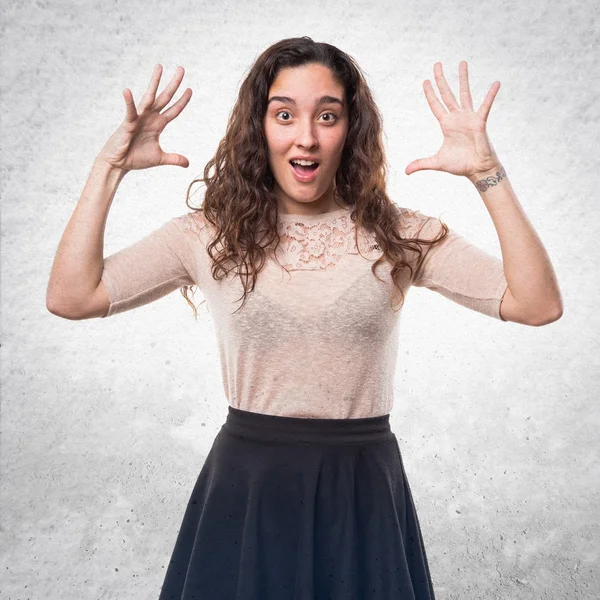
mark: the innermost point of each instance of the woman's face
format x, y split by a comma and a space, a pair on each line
307, 116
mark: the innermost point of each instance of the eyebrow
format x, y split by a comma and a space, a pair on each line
322, 100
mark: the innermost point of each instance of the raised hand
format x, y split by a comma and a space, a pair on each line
466, 149
134, 145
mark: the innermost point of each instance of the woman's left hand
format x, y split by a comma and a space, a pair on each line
466, 149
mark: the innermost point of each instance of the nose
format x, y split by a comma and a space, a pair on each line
305, 135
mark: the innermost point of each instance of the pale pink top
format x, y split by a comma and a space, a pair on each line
321, 341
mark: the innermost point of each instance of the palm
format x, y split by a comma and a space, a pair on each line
144, 149
135, 144
466, 149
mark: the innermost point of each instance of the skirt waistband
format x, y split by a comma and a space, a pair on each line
265, 427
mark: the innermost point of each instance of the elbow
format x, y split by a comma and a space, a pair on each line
56, 304
60, 309
549, 311
550, 317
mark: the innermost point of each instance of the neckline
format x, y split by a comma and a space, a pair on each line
314, 218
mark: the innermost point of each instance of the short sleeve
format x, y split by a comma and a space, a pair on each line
456, 268
149, 269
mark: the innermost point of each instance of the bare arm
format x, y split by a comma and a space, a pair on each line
75, 289
534, 296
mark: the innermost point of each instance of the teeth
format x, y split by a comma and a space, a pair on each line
304, 162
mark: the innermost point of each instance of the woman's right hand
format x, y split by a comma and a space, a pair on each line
134, 145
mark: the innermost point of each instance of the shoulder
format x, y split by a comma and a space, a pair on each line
413, 223
192, 223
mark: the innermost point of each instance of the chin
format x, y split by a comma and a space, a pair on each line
307, 196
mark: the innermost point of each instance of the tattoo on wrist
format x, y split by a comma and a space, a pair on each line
491, 180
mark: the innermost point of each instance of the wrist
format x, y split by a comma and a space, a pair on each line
489, 178
102, 164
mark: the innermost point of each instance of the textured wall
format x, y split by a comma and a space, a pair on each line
106, 423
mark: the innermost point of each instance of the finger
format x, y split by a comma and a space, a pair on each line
148, 99
174, 110
422, 164
465, 91
177, 160
165, 97
444, 88
437, 108
131, 113
486, 105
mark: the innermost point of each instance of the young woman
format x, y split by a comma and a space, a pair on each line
303, 494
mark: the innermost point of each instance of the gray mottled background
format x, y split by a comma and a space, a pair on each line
106, 423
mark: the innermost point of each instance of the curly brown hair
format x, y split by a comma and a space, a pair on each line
239, 200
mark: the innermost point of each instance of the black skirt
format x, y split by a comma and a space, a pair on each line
290, 508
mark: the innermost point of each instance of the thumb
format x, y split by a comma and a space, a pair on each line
177, 160
422, 164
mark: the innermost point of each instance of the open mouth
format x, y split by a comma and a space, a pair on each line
304, 172
304, 169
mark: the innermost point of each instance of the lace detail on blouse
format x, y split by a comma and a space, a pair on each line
193, 223
308, 245
320, 245
411, 222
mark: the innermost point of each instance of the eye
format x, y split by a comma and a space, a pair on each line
333, 115
329, 120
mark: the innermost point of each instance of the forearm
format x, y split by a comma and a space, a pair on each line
79, 260
527, 267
